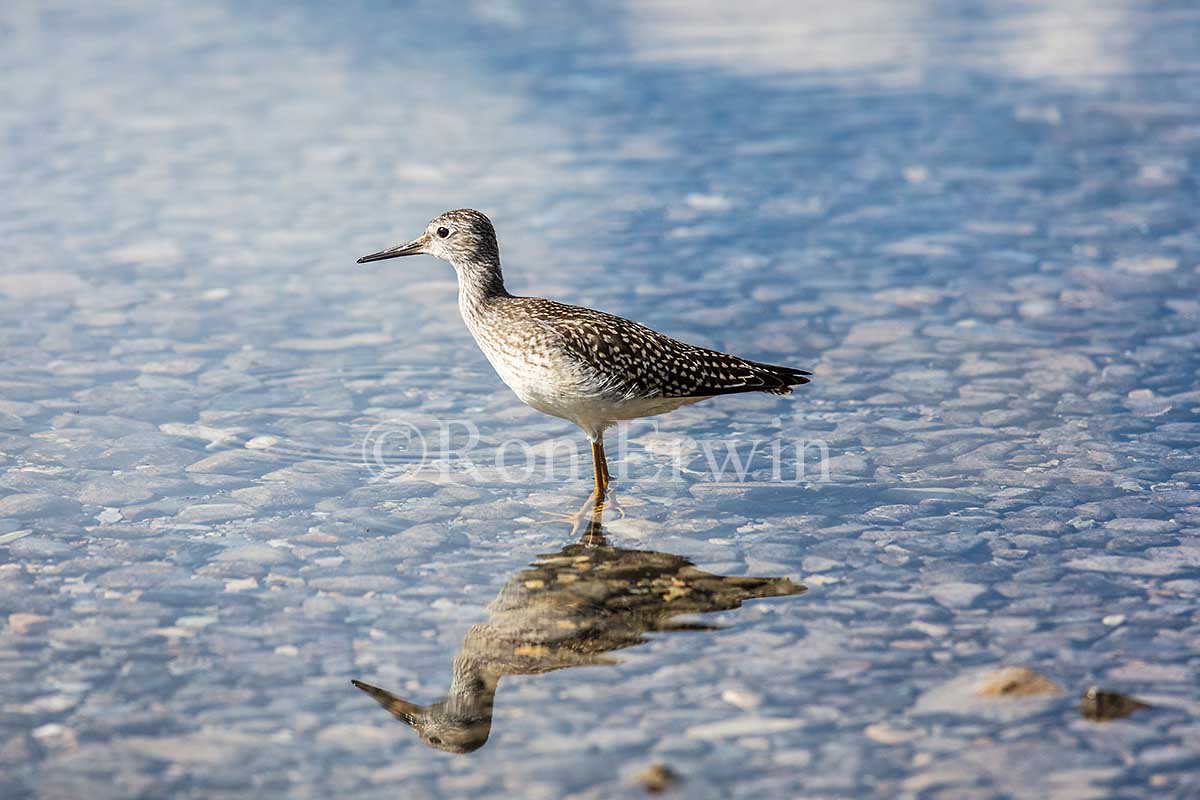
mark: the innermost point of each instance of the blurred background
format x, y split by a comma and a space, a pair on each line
975, 222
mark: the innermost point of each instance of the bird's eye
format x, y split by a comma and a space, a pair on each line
443, 233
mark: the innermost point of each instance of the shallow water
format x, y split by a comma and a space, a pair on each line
977, 227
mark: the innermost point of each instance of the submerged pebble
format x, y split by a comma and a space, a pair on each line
1016, 682
1101, 705
657, 778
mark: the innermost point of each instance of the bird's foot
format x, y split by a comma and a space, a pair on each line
559, 517
609, 500
580, 519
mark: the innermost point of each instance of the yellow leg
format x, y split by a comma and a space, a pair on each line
604, 464
599, 496
603, 478
600, 469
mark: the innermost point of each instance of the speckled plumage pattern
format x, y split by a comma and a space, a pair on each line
582, 365
627, 360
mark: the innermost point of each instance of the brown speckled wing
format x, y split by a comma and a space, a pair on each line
631, 360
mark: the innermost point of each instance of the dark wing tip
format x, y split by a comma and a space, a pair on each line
752, 376
786, 376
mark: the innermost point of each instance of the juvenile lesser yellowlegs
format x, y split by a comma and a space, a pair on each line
582, 365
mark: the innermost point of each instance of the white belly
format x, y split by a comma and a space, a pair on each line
564, 390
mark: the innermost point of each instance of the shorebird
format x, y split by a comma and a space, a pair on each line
585, 366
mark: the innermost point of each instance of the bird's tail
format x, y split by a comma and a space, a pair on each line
780, 380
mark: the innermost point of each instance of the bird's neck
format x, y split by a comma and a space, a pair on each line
473, 687
479, 282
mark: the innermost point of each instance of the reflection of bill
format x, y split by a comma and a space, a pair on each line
394, 447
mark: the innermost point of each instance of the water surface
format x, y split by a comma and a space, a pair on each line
977, 226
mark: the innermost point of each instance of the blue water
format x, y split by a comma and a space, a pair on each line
976, 225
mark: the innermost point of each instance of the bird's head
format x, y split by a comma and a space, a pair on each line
463, 236
445, 725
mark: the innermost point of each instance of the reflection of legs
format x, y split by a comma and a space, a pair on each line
593, 534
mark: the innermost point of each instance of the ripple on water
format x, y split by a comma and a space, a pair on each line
363, 413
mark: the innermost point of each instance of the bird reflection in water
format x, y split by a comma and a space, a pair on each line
567, 610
